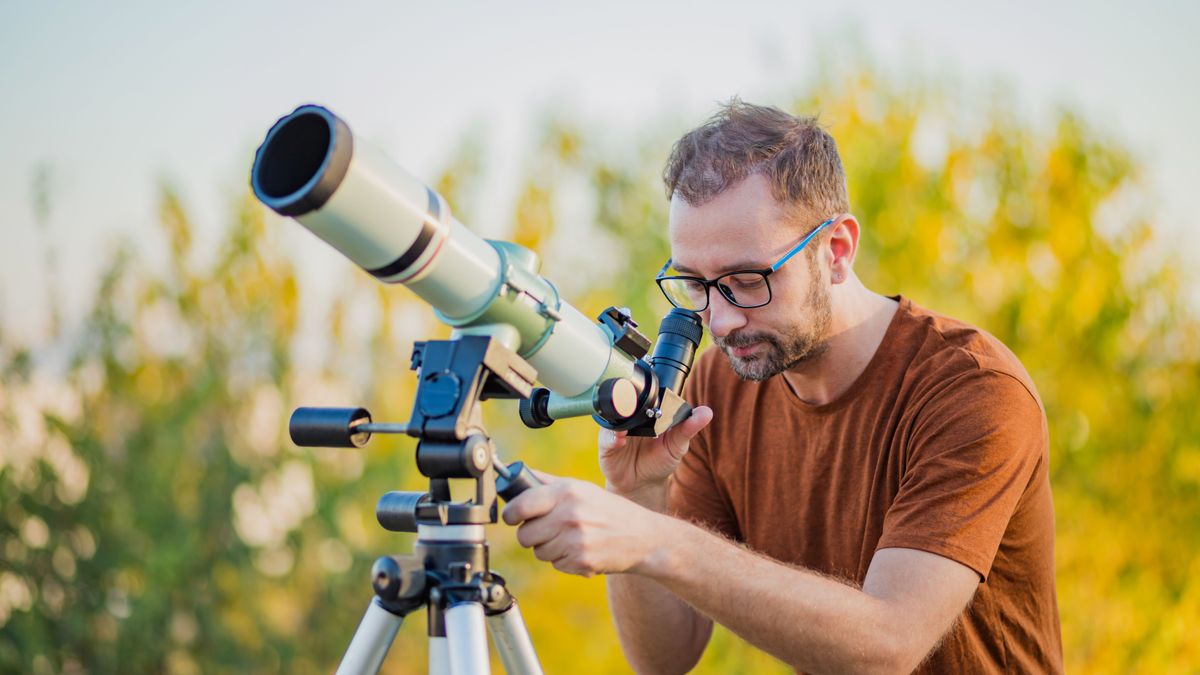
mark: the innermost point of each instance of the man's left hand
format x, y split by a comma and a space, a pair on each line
582, 529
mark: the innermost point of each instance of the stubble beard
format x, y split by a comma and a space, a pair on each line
798, 344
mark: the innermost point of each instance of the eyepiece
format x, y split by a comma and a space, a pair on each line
678, 337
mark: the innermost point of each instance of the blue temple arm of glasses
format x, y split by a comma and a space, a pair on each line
803, 242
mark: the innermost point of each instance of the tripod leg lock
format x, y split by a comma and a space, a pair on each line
496, 598
399, 582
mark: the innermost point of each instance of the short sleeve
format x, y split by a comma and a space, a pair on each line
972, 454
695, 494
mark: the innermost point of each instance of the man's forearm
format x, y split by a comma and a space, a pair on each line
809, 621
659, 632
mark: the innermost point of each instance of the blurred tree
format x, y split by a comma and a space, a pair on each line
153, 516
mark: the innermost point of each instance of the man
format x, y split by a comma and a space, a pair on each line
872, 494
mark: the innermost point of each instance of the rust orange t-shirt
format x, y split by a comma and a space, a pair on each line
939, 445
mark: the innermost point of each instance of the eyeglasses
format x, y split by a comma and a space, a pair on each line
743, 288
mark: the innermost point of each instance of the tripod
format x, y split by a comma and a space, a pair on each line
448, 571
459, 600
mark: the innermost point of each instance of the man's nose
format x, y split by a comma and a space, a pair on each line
721, 316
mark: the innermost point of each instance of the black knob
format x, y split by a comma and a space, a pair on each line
519, 479
329, 427
397, 511
396, 577
616, 399
533, 410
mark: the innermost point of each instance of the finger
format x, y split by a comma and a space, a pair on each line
570, 565
551, 551
700, 417
532, 503
538, 531
546, 478
611, 440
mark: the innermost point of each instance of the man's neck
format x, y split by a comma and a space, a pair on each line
860, 320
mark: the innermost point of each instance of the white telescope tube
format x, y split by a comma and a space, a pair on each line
311, 168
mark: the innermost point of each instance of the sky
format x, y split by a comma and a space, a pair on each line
110, 100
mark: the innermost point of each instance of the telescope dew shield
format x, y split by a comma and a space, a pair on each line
310, 168
372, 211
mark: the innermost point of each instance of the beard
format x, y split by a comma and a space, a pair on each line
797, 344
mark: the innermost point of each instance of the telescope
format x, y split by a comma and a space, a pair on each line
312, 169
511, 330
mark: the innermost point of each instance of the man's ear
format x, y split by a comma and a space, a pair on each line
842, 246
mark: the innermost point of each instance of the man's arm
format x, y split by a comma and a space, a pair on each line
659, 633
908, 600
649, 617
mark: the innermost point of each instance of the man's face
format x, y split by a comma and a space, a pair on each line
746, 228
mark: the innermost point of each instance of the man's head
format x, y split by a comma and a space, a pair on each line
745, 187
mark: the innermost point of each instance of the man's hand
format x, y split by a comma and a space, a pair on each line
638, 468
581, 529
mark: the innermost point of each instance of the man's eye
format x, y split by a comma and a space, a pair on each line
746, 282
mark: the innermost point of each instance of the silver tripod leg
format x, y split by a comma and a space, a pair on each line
468, 640
512, 641
439, 656
371, 641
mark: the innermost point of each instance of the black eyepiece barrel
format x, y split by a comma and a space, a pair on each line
678, 337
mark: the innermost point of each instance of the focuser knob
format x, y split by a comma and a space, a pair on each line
616, 399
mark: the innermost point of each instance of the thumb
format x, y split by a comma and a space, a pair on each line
700, 417
676, 439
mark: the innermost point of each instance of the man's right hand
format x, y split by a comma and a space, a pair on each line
638, 468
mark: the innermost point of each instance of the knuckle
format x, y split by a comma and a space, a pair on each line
581, 542
587, 568
570, 517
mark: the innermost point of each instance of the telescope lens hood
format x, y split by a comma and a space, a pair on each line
302, 161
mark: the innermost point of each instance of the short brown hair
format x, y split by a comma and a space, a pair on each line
797, 156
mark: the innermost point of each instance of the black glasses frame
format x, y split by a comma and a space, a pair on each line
724, 290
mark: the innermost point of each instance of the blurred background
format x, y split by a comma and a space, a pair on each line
1029, 168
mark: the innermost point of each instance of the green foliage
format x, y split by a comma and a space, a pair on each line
153, 516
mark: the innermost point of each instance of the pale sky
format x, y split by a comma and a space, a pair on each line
114, 97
